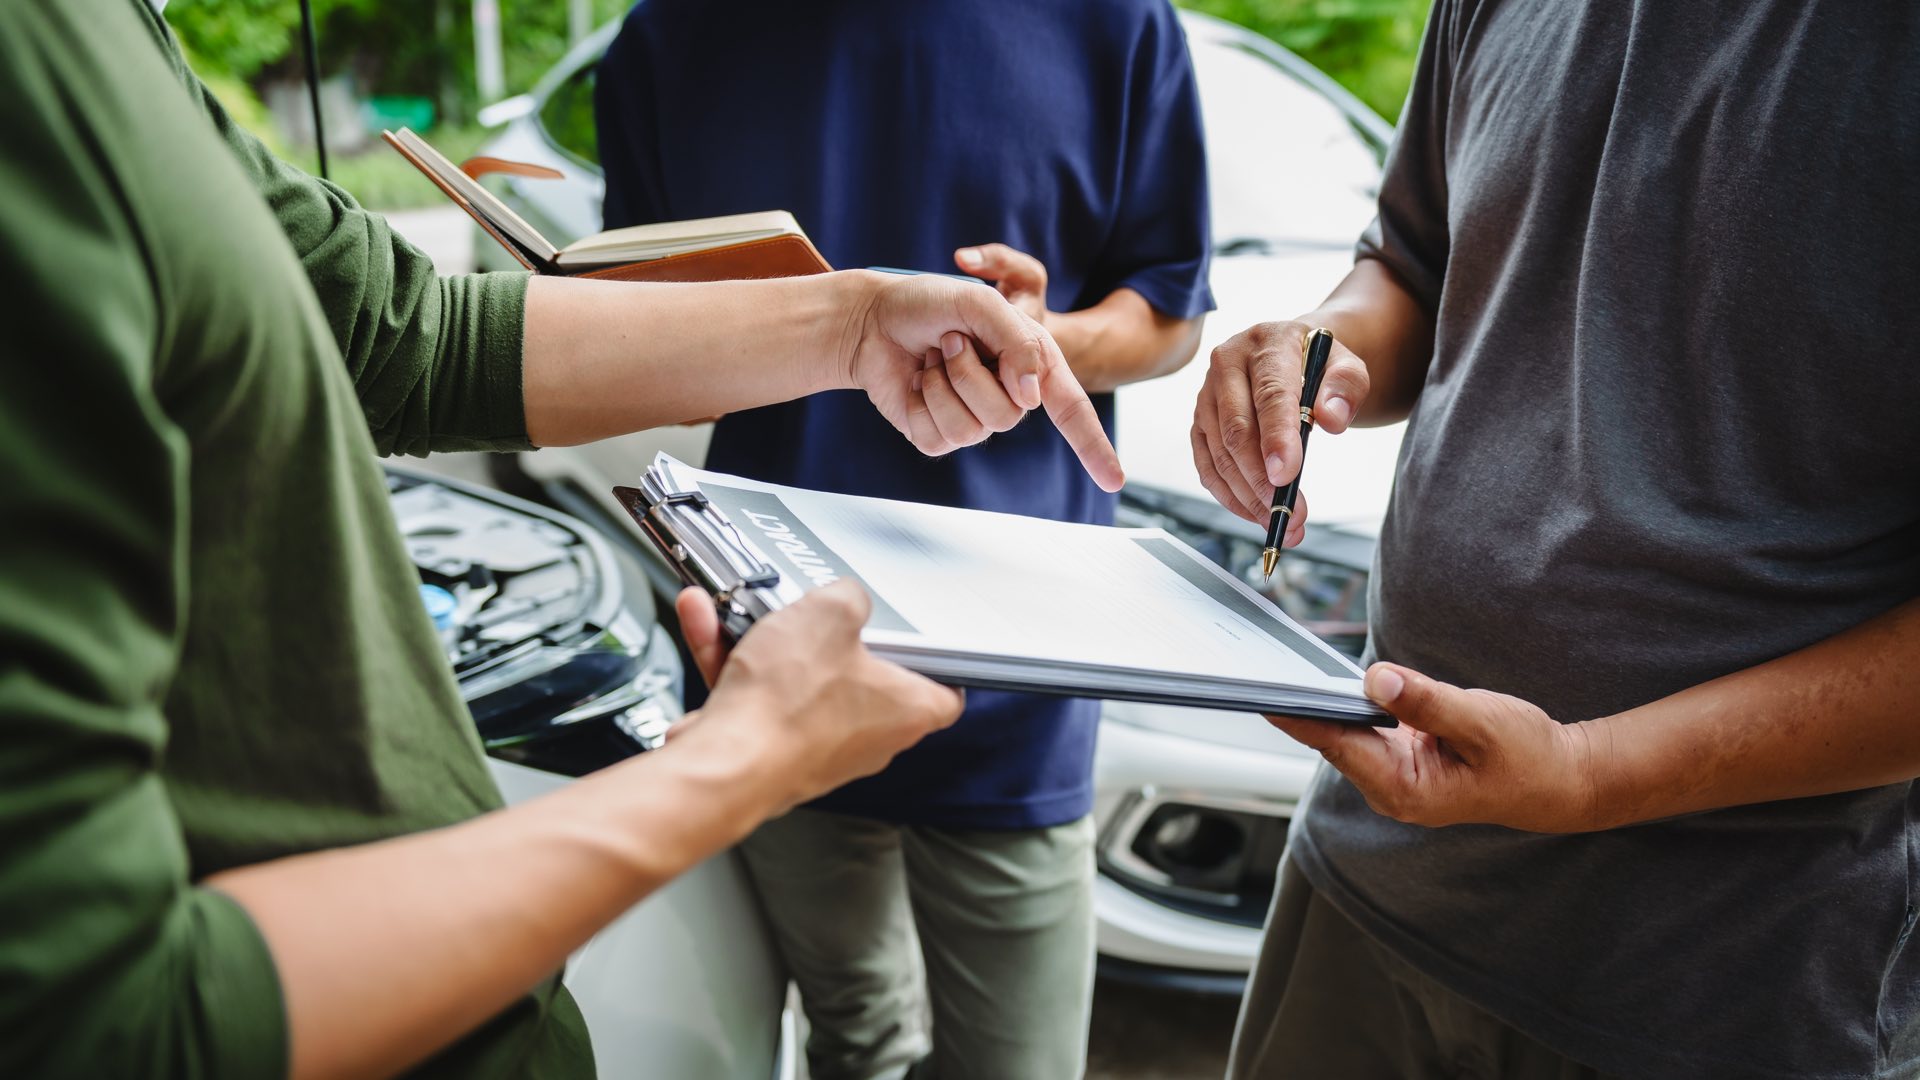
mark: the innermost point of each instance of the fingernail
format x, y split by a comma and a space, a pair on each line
1384, 685
969, 256
1030, 390
1276, 474
951, 343
916, 382
1338, 411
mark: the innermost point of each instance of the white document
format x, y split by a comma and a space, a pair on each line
985, 599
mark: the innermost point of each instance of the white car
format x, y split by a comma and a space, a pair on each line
551, 636
1193, 806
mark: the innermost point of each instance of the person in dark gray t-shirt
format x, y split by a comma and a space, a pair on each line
1645, 280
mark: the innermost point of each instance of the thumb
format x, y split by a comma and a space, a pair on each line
1439, 709
848, 601
700, 627
1342, 391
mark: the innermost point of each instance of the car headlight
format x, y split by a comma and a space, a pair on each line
1322, 583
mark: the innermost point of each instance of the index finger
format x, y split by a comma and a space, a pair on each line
1361, 754
1315, 735
1274, 373
1070, 410
1035, 373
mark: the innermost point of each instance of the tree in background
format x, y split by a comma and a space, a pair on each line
423, 49
236, 38
1368, 46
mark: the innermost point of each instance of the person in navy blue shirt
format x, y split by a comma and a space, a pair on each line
1053, 148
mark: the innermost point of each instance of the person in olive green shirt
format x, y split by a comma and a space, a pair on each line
245, 828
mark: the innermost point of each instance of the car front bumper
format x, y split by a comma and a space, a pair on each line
1192, 809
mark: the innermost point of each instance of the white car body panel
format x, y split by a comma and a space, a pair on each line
651, 996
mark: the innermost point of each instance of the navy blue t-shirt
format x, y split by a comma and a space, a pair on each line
895, 133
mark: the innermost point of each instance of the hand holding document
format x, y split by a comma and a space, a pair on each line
974, 598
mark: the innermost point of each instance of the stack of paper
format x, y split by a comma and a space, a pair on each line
638, 243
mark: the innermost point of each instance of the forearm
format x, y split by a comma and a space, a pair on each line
389, 951
1837, 716
1373, 314
606, 358
1123, 339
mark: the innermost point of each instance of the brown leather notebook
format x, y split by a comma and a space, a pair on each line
763, 245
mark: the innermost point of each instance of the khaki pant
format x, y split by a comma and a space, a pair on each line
1327, 1002
954, 952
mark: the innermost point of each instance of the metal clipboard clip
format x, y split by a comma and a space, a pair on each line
705, 549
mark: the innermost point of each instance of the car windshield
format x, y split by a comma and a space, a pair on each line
1287, 169
567, 115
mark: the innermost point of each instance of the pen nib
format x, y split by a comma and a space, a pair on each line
1269, 559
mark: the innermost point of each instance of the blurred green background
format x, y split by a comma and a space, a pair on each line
1367, 45
420, 55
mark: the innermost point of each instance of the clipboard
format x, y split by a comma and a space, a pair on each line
706, 550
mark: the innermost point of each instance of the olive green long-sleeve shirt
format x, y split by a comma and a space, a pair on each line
212, 650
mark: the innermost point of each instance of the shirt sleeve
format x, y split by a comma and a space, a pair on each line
435, 360
112, 963
1409, 233
624, 119
1161, 243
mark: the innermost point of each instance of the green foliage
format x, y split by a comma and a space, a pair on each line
1367, 45
233, 38
424, 47
238, 38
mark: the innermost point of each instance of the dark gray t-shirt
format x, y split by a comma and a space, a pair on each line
1671, 430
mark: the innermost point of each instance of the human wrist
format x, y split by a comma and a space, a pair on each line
1069, 329
714, 786
746, 746
1584, 801
1079, 335
851, 296
1343, 319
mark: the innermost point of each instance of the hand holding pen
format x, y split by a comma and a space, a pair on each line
1318, 348
1246, 423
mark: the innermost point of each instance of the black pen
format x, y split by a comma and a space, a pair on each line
1319, 346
